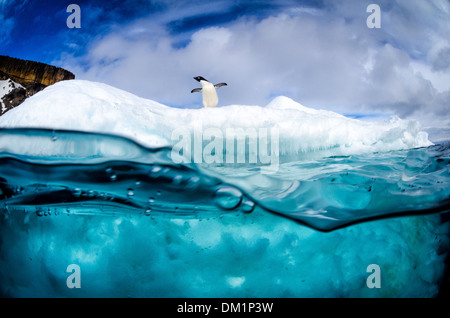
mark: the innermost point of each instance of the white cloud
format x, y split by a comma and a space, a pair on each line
324, 59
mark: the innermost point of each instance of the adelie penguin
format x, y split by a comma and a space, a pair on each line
208, 90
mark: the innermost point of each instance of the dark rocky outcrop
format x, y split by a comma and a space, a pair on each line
32, 76
23, 71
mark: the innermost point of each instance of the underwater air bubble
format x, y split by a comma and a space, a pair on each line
247, 206
227, 198
177, 179
54, 138
39, 211
193, 182
155, 172
77, 192
148, 212
112, 175
130, 192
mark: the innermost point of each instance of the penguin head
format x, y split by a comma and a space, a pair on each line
199, 78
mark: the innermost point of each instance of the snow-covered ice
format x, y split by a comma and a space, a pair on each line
97, 107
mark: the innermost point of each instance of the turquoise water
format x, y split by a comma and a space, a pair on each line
131, 218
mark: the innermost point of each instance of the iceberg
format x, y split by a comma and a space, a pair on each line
88, 181
96, 107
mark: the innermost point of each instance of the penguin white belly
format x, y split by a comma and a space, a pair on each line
210, 98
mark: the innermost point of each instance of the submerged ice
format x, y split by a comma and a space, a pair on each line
62, 168
87, 177
246, 255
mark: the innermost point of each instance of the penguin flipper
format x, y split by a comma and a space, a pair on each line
220, 85
195, 90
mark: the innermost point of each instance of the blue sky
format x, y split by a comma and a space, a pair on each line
42, 24
320, 53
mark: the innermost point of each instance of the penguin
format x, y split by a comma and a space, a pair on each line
208, 90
